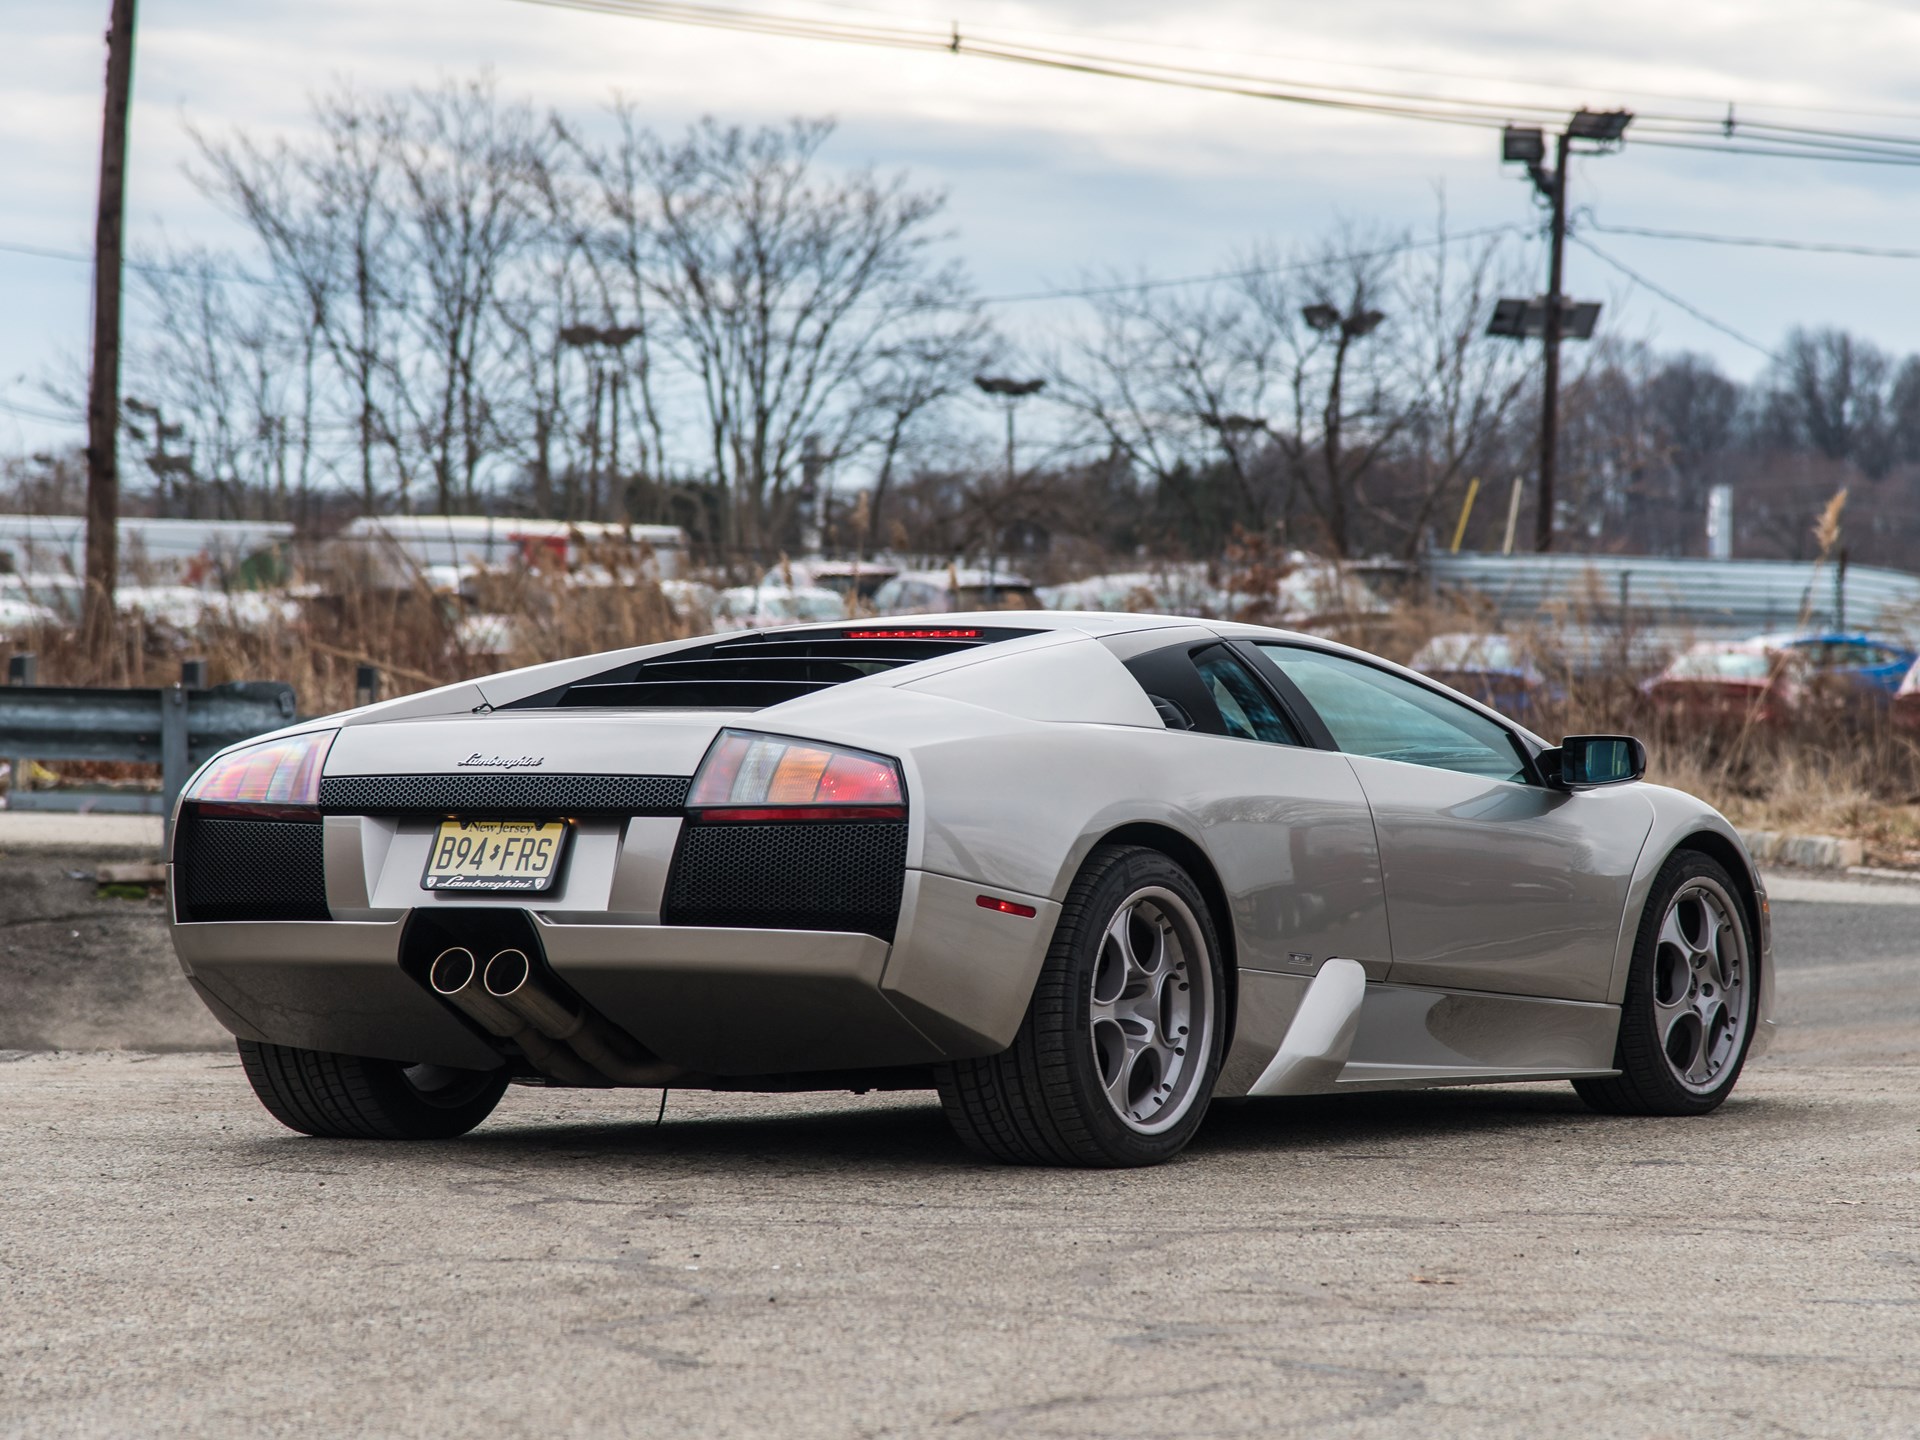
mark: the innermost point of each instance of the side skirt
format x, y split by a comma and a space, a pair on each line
1343, 1033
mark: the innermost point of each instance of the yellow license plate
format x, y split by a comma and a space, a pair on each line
513, 855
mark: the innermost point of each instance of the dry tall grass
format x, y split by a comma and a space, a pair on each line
1846, 774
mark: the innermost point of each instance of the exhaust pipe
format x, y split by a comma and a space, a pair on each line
510, 982
455, 976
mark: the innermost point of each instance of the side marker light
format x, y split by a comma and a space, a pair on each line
1006, 907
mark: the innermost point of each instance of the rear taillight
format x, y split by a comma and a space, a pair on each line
768, 777
280, 773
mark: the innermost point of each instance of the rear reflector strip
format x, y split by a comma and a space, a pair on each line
761, 814
1006, 907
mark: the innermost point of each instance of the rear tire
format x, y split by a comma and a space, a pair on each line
1115, 1062
352, 1097
1692, 997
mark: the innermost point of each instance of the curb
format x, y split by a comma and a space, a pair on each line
1805, 852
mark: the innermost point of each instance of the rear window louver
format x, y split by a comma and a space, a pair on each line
753, 671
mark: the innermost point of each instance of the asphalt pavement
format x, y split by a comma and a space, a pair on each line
1490, 1262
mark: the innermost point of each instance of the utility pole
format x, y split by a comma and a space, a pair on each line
103, 389
1550, 394
1552, 317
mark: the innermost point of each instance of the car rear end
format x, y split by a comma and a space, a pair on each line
631, 878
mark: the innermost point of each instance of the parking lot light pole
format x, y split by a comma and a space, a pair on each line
1527, 146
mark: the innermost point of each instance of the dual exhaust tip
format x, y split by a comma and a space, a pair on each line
563, 1038
457, 968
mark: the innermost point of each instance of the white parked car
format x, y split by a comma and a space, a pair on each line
1181, 590
19, 616
843, 577
748, 607
919, 592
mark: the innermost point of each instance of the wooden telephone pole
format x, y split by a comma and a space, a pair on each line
103, 389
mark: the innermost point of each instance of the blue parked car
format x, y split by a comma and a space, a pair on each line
1873, 661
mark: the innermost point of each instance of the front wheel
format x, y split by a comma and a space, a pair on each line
352, 1097
1692, 996
1117, 1057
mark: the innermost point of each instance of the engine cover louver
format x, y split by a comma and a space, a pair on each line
752, 671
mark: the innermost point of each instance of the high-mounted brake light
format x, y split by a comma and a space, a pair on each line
913, 634
280, 772
767, 777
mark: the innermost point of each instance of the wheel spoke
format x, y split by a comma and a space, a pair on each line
1672, 934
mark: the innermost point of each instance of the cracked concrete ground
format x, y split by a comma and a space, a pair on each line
1474, 1262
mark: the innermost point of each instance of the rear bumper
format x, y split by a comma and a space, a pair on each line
728, 1002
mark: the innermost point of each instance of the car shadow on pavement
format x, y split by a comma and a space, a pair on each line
837, 1136
1324, 1122
895, 1131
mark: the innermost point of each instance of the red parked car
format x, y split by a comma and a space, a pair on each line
1722, 683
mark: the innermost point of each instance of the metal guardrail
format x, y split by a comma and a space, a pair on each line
173, 726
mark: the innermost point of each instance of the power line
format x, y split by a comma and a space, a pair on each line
1664, 131
1672, 299
13, 407
1075, 292
1721, 105
1756, 242
1119, 287
148, 267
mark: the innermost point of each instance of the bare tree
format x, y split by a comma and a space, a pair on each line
470, 172
324, 216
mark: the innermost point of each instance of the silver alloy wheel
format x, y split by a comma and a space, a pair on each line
1153, 1010
1702, 985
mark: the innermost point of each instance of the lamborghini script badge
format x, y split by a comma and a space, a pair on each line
502, 762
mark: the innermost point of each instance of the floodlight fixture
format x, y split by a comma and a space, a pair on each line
1005, 385
1527, 319
1523, 145
1320, 317
1509, 320
1362, 322
1602, 125
1231, 424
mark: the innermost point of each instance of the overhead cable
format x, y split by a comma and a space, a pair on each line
1672, 299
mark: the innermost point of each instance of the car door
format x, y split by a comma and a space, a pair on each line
1493, 880
1285, 823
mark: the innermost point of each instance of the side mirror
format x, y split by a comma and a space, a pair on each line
1584, 761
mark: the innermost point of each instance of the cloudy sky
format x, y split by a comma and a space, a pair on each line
1054, 177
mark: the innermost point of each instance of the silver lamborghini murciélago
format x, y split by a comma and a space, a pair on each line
1078, 873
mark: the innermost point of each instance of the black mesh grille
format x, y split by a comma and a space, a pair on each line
250, 870
505, 794
807, 875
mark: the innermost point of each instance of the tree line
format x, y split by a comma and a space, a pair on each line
451, 301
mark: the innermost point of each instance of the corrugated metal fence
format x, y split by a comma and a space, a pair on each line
1710, 598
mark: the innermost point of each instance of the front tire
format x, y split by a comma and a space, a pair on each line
353, 1097
1116, 1060
1692, 997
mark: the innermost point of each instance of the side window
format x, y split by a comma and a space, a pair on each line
1371, 712
1246, 710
